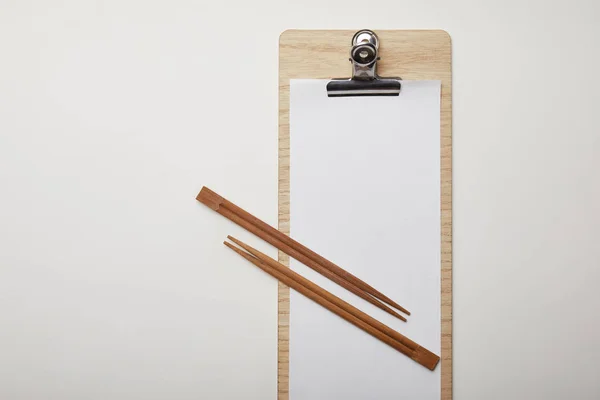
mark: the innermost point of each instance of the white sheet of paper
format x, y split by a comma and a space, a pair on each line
365, 194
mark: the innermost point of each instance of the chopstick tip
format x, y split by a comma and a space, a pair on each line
238, 242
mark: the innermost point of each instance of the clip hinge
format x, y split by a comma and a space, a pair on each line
364, 55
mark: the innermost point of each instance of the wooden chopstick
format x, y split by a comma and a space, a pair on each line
337, 305
324, 293
298, 251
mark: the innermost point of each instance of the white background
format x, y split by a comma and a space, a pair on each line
113, 114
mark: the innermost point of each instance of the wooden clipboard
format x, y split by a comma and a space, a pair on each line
411, 55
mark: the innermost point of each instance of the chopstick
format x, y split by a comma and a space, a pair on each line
322, 292
298, 251
336, 305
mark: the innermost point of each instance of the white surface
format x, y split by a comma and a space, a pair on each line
365, 194
111, 119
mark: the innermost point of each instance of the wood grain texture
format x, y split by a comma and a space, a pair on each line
412, 55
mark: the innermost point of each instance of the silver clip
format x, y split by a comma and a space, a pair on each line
364, 55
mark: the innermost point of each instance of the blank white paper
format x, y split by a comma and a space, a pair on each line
365, 194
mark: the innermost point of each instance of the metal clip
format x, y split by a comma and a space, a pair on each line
364, 55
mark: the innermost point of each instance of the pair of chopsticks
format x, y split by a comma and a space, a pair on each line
325, 268
299, 252
336, 305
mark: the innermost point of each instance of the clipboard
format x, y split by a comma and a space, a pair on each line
409, 55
